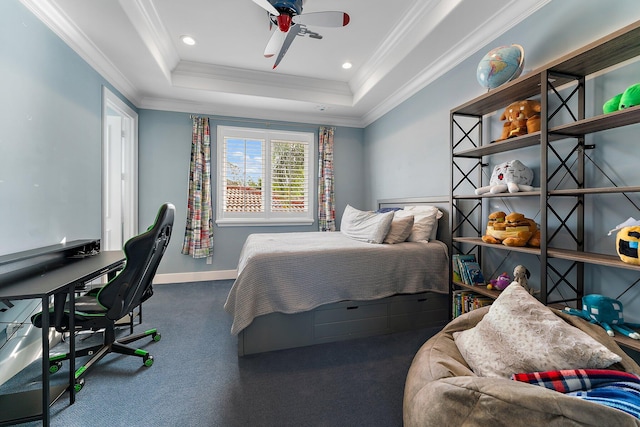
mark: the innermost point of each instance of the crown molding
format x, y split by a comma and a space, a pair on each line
395, 46
220, 110
53, 17
147, 22
500, 22
225, 79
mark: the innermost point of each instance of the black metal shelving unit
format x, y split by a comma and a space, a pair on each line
560, 87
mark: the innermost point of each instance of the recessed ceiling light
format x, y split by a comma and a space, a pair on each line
188, 40
347, 65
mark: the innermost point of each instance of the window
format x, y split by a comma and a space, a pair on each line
265, 177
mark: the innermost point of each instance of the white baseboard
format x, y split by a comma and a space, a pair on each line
199, 276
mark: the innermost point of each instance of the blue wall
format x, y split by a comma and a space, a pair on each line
165, 149
50, 136
410, 144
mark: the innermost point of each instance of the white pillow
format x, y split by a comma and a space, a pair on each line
365, 226
400, 229
520, 334
425, 223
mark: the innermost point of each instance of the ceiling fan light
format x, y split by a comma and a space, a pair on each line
347, 65
188, 40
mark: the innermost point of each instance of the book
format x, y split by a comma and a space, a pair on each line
466, 301
473, 273
457, 266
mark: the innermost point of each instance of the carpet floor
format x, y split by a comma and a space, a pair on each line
197, 379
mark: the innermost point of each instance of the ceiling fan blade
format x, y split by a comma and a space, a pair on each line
267, 6
275, 43
291, 35
323, 19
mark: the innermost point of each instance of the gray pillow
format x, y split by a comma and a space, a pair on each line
365, 226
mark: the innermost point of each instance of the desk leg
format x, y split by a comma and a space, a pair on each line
46, 392
72, 345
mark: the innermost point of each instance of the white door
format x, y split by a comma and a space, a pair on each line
113, 183
119, 172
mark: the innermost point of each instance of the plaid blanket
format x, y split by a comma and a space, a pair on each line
616, 389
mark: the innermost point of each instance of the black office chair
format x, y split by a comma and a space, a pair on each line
102, 307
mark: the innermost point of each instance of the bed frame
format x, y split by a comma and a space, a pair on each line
353, 319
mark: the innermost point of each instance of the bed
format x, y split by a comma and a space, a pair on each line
298, 289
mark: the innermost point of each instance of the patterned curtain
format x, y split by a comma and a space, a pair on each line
326, 197
198, 235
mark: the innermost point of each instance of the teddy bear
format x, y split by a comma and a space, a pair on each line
522, 117
512, 176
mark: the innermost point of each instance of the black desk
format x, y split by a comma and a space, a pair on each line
34, 405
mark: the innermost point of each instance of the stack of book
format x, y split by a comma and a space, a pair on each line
466, 301
467, 270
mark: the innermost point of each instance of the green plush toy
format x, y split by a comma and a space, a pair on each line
612, 105
629, 98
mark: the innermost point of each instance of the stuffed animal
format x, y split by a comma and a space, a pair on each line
627, 241
629, 98
521, 276
521, 117
511, 230
512, 176
606, 312
500, 282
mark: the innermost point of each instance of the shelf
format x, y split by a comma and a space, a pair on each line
571, 130
482, 290
521, 88
478, 242
584, 257
528, 140
534, 193
627, 342
603, 53
569, 192
591, 258
599, 123
599, 190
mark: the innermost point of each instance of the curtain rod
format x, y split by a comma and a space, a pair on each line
258, 122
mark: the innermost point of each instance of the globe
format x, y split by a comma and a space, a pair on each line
500, 65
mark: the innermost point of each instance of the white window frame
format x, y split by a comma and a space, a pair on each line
266, 218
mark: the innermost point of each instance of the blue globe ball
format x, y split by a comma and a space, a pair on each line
500, 65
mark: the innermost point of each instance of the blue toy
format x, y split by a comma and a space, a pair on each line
606, 312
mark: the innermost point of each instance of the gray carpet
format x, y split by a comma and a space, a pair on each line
198, 380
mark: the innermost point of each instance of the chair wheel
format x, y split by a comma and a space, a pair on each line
54, 367
148, 361
156, 337
78, 385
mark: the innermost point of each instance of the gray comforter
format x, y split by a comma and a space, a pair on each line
297, 272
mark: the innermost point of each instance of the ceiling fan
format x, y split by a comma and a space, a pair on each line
291, 22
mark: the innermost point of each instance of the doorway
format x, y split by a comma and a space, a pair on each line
119, 172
